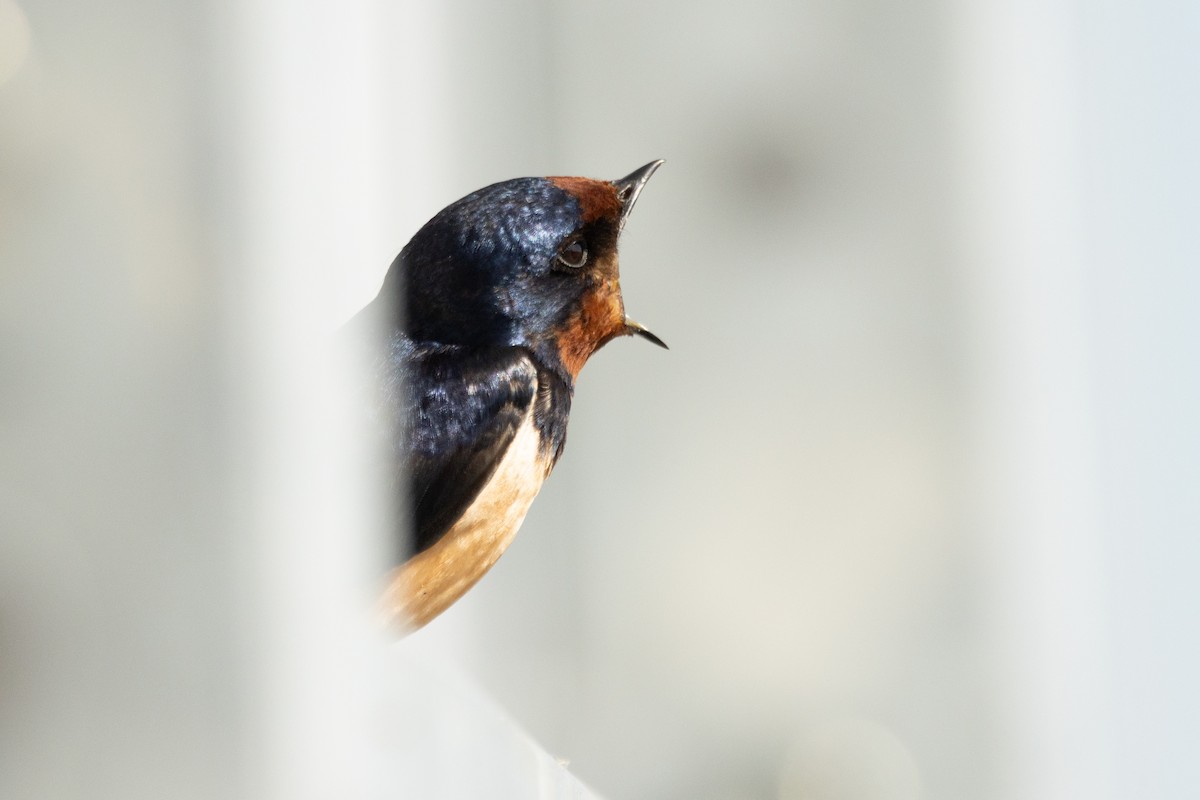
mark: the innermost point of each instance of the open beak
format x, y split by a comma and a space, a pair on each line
629, 187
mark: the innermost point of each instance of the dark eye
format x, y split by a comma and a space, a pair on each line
573, 254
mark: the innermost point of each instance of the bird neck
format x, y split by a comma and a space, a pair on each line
548, 357
552, 408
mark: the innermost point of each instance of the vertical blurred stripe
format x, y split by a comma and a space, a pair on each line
1141, 119
332, 130
121, 599
1034, 494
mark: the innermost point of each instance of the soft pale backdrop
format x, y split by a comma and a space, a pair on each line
908, 510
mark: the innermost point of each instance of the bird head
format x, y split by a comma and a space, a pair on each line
529, 262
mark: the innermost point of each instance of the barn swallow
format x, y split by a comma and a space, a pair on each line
498, 301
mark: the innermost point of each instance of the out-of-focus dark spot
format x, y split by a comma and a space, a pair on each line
765, 168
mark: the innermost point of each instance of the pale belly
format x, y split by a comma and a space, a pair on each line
430, 581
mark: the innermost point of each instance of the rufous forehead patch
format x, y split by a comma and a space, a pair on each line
597, 199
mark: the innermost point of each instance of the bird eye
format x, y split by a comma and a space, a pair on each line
573, 254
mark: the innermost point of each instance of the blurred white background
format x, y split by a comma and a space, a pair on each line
909, 510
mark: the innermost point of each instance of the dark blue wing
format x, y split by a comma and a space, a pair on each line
462, 409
